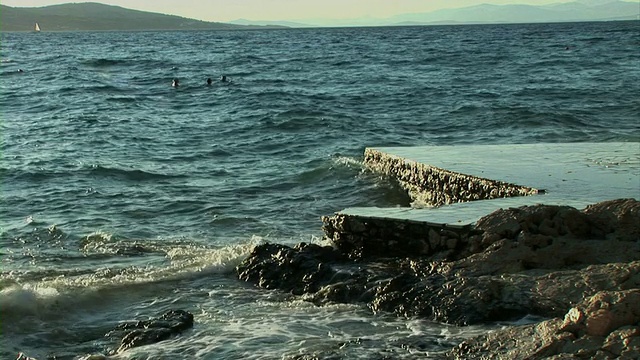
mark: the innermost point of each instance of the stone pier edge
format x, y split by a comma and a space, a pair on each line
367, 236
432, 186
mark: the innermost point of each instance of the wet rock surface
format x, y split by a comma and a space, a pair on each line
533, 260
146, 332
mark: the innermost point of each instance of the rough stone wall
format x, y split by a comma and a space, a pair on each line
362, 237
432, 186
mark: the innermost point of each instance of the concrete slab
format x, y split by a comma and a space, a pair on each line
593, 171
573, 174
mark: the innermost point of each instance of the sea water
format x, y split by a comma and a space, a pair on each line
123, 197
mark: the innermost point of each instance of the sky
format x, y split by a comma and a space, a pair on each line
292, 10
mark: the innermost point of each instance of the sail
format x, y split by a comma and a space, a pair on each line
37, 27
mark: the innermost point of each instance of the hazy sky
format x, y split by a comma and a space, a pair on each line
227, 10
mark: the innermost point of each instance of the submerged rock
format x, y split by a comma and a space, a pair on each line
145, 332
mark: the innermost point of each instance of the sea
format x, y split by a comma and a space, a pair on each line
123, 197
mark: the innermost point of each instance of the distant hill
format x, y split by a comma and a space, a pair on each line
96, 16
270, 23
585, 10
578, 10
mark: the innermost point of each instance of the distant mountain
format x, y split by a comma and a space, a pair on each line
585, 10
96, 16
270, 23
580, 10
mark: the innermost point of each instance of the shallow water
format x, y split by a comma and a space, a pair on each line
123, 197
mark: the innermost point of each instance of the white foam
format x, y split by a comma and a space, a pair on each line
347, 161
26, 299
67, 291
95, 241
206, 260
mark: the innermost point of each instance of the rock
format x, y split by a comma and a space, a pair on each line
297, 270
389, 237
581, 268
146, 332
600, 314
618, 219
585, 333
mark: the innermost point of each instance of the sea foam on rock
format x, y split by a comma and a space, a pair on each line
533, 260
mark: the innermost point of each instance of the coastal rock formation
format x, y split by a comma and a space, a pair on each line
603, 326
145, 332
533, 260
359, 237
138, 333
299, 270
433, 186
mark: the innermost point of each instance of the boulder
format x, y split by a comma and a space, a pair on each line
298, 270
603, 326
146, 332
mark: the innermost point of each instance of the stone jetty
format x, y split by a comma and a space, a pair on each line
445, 181
434, 186
556, 235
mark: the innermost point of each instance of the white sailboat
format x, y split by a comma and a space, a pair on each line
37, 27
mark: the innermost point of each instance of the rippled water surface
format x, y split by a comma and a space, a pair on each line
123, 196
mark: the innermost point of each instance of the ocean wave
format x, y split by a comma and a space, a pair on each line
101, 63
349, 162
105, 243
317, 172
122, 99
295, 120
129, 174
70, 290
103, 88
45, 174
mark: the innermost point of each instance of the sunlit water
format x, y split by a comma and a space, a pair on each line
123, 197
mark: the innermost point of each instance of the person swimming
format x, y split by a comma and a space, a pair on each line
175, 82
209, 81
224, 78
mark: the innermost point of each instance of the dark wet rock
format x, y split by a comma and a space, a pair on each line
366, 238
537, 260
616, 219
547, 261
298, 270
145, 332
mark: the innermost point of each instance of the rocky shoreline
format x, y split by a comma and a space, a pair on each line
578, 268
576, 271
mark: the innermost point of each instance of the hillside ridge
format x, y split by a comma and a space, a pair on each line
93, 16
